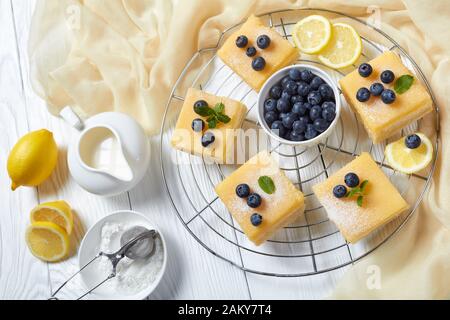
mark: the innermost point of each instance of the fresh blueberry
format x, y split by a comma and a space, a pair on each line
388, 96
251, 52
283, 105
278, 128
340, 191
286, 96
316, 82
329, 105
283, 115
287, 135
296, 99
200, 104
310, 132
326, 91
263, 41
315, 98
315, 112
208, 139
328, 114
365, 70
363, 95
307, 105
351, 180
254, 200
256, 219
321, 125
284, 81
294, 136
305, 120
258, 64
299, 127
376, 89
303, 89
299, 108
306, 76
241, 41
289, 120
291, 87
275, 92
270, 105
198, 125
243, 190
413, 141
295, 74
270, 117
387, 76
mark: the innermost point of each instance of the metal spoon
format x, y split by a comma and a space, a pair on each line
145, 247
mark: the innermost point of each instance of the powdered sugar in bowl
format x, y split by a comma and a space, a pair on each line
136, 279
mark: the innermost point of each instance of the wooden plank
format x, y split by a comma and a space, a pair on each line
87, 207
21, 275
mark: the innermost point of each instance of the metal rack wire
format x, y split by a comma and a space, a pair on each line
196, 203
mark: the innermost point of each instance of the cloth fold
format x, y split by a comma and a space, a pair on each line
125, 55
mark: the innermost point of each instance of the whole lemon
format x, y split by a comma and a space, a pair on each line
33, 159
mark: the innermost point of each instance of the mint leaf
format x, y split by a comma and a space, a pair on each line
212, 122
353, 192
363, 185
219, 108
403, 83
359, 201
223, 118
203, 111
266, 184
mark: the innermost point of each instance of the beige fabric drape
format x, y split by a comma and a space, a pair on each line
124, 55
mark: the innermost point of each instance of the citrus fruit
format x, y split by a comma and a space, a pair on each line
58, 212
33, 159
344, 48
407, 160
47, 241
312, 34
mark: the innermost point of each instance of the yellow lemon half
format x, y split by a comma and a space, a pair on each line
47, 241
344, 48
312, 34
58, 212
33, 159
406, 160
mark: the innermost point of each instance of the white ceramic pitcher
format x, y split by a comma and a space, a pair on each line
110, 156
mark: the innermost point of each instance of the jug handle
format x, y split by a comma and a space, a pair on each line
72, 118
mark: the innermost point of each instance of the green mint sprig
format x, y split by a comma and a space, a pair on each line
403, 83
214, 115
358, 191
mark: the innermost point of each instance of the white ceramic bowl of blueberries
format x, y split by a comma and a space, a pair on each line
299, 105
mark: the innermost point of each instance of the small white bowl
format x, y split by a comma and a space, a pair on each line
90, 247
276, 78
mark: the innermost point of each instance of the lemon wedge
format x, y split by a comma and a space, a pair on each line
406, 160
312, 34
343, 49
58, 212
47, 241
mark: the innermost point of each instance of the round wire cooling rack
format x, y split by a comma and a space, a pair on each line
311, 245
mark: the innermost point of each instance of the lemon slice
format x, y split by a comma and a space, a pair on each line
344, 48
312, 34
406, 160
58, 212
47, 241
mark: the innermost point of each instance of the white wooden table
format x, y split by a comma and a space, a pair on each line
192, 272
